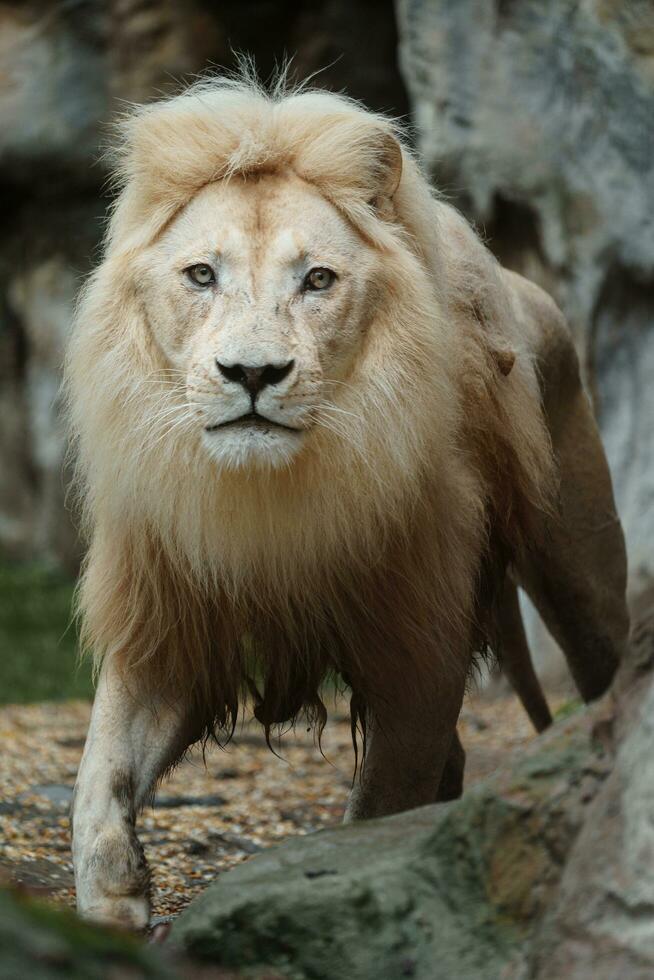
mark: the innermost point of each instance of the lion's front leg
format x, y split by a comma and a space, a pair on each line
413, 756
128, 747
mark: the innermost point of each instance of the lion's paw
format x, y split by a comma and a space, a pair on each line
113, 881
121, 911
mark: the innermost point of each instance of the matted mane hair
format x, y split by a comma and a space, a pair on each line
368, 554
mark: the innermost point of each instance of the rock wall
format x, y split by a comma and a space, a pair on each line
537, 119
65, 69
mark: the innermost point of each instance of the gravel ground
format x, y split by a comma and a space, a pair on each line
208, 815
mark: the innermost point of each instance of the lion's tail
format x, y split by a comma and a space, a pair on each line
515, 659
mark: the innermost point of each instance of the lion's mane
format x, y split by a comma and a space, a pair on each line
375, 553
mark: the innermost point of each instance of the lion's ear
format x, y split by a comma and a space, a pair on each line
387, 167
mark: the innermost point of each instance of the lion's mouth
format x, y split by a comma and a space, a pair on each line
251, 420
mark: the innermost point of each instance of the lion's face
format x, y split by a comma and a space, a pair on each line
259, 293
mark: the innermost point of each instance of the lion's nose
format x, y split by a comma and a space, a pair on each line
255, 379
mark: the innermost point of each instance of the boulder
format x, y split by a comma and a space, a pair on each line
449, 890
541, 871
601, 922
42, 943
39, 942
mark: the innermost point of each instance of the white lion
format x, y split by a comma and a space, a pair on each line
316, 422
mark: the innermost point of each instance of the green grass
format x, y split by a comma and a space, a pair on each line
38, 644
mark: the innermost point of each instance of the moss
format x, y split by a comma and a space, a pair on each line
38, 643
568, 708
561, 755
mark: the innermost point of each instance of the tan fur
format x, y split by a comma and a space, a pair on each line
422, 428
364, 554
369, 546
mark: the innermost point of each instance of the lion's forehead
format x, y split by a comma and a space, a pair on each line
278, 222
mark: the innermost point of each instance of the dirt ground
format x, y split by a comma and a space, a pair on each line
209, 815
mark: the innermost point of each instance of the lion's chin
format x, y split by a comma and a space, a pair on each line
253, 448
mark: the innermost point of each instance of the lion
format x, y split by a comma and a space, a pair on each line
319, 431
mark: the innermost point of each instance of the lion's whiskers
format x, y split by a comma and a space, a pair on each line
175, 418
341, 411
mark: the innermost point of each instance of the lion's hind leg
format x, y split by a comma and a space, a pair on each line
576, 573
515, 659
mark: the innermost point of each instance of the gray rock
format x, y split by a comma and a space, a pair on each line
39, 876
450, 891
538, 119
542, 872
40, 942
601, 922
57, 794
53, 94
43, 944
172, 802
40, 299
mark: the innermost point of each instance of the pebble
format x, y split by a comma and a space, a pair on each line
171, 802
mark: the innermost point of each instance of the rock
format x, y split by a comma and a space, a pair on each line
56, 242
38, 876
61, 796
53, 95
151, 46
536, 118
172, 802
9, 807
451, 891
601, 923
542, 871
41, 943
235, 841
228, 773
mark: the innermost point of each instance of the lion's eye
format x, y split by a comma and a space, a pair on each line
201, 275
319, 278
